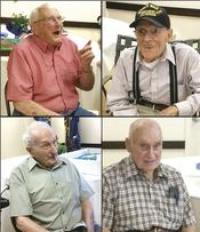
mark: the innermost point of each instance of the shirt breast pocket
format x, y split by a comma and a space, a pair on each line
173, 210
69, 72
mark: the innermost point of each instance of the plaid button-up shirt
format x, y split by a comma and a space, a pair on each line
132, 202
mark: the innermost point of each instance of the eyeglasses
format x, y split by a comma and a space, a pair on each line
51, 19
153, 32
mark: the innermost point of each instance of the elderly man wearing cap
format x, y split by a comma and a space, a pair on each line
155, 77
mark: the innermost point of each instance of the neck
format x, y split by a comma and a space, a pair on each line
152, 59
149, 175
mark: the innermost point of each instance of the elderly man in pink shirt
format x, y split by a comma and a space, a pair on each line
46, 67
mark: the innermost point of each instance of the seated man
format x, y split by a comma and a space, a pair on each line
46, 67
155, 77
140, 193
47, 193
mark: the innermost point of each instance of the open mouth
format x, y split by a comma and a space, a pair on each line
148, 47
56, 32
150, 161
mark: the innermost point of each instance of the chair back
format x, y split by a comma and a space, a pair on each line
195, 43
123, 41
7, 102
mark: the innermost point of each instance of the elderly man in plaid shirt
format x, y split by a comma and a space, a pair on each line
140, 193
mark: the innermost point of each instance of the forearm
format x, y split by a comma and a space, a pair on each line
88, 216
189, 106
190, 228
86, 82
119, 105
170, 111
106, 230
25, 224
29, 107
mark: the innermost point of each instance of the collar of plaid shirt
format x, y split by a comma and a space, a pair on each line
132, 170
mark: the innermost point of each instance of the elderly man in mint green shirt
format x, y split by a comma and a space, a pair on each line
48, 193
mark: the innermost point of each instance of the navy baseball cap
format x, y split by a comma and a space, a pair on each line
154, 14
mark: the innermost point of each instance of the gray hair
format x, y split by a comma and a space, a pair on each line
34, 126
36, 13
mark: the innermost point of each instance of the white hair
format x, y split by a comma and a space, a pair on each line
34, 126
36, 13
142, 123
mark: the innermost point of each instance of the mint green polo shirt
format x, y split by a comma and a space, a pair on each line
52, 197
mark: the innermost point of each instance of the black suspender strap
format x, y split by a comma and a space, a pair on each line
136, 86
173, 80
172, 76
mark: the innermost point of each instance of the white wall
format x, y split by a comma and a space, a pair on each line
192, 136
183, 27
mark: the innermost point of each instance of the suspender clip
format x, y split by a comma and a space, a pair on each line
131, 98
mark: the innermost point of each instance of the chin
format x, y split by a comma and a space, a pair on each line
55, 41
149, 58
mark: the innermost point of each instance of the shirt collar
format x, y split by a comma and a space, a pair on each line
167, 55
32, 163
162, 172
43, 45
132, 170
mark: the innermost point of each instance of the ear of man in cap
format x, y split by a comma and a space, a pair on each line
154, 14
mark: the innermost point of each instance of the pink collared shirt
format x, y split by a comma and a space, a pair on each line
46, 75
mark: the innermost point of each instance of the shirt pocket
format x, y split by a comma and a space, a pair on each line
172, 210
69, 72
182, 93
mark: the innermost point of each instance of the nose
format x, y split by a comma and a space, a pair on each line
53, 147
147, 36
151, 153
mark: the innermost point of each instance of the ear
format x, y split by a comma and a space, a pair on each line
170, 34
28, 149
34, 29
127, 144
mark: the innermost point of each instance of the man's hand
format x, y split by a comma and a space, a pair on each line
86, 56
86, 82
25, 224
169, 111
32, 108
88, 216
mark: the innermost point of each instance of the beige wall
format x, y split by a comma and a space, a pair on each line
183, 27
11, 136
116, 129
87, 11
12, 130
84, 11
177, 129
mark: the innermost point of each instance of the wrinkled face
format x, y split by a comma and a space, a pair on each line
151, 40
48, 26
43, 147
145, 147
